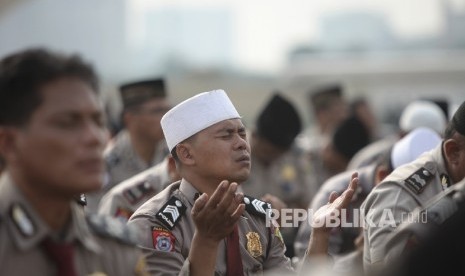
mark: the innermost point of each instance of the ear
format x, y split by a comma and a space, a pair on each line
127, 118
172, 171
7, 146
452, 152
184, 152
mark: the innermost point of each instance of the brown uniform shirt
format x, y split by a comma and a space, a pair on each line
390, 203
124, 199
166, 231
22, 231
286, 178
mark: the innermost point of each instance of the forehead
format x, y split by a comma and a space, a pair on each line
231, 124
68, 94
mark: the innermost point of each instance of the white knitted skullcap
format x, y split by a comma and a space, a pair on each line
423, 114
412, 145
195, 114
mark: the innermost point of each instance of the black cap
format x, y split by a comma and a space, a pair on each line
459, 119
322, 96
135, 93
279, 122
350, 136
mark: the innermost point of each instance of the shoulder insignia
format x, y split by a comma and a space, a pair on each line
138, 192
22, 220
256, 207
171, 212
81, 200
109, 227
163, 240
417, 181
445, 181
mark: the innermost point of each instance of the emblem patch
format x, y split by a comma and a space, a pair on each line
418, 180
171, 212
123, 214
445, 181
277, 233
163, 240
254, 245
256, 206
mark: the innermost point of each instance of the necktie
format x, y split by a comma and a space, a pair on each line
62, 255
233, 257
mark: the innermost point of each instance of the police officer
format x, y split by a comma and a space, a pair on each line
347, 239
140, 145
279, 166
420, 113
202, 212
435, 237
52, 137
411, 186
124, 199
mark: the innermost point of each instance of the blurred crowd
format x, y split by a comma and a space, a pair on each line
187, 189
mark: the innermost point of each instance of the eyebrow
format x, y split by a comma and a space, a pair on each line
230, 130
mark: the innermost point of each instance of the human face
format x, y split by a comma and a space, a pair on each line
222, 152
60, 149
454, 150
146, 119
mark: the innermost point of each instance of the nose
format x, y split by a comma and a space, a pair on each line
241, 143
95, 134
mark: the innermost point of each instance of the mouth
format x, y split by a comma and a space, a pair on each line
243, 158
92, 165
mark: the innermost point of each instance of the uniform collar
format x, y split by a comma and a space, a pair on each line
189, 191
28, 229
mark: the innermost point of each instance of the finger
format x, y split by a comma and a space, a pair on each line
199, 204
344, 200
217, 195
332, 196
267, 198
238, 199
353, 181
228, 199
238, 213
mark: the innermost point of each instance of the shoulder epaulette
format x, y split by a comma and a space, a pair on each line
171, 212
109, 227
417, 181
138, 192
256, 206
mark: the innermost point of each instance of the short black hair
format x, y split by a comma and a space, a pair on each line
22, 75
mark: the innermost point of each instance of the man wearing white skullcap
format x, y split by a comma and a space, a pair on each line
200, 225
420, 113
412, 186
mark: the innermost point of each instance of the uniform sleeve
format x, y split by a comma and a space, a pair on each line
276, 258
114, 205
161, 248
384, 209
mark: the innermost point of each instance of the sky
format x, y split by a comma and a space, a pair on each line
264, 31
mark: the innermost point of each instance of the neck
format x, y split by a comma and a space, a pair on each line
54, 209
201, 184
144, 148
